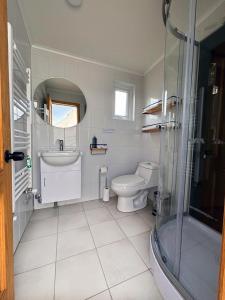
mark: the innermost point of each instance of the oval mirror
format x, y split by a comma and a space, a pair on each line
60, 102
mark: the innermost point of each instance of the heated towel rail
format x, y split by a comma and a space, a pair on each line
20, 105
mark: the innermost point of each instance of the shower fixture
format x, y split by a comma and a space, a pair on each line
166, 6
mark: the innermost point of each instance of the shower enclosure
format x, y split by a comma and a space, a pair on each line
184, 241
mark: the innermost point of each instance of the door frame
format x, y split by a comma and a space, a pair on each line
221, 293
8, 293
6, 219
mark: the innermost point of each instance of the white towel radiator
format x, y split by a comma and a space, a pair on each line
20, 105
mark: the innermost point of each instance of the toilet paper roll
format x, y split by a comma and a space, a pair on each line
103, 170
106, 194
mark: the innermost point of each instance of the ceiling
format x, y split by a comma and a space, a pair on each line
124, 33
128, 34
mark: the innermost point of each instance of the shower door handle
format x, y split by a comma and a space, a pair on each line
208, 154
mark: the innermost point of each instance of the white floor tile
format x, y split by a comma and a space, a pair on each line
133, 225
120, 262
147, 217
141, 287
73, 242
79, 277
112, 202
142, 245
37, 284
102, 296
92, 204
119, 214
36, 253
40, 228
70, 209
67, 222
107, 232
45, 213
98, 215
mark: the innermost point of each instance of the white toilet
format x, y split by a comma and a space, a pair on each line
132, 190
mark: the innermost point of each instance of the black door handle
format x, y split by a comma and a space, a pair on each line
16, 156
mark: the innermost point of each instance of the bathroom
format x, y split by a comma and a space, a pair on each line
112, 183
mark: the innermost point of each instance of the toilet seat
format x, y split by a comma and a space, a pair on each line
128, 181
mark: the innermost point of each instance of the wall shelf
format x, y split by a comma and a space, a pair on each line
157, 106
153, 108
160, 126
98, 149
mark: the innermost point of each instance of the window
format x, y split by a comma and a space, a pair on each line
64, 114
124, 101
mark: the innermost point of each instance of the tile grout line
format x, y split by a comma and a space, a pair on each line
89, 298
35, 268
96, 248
39, 238
127, 237
97, 255
77, 254
132, 277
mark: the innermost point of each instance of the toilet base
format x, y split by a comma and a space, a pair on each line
136, 202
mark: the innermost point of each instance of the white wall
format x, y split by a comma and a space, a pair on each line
153, 88
125, 143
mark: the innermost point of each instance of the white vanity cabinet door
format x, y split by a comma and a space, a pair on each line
60, 186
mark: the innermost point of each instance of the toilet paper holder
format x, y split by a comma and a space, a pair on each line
103, 171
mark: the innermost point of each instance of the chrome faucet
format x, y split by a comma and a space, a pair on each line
61, 145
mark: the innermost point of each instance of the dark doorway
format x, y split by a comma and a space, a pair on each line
208, 181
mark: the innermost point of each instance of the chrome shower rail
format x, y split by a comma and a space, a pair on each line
165, 15
166, 4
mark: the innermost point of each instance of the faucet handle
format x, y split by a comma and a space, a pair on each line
60, 144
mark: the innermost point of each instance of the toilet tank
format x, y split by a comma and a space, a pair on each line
149, 171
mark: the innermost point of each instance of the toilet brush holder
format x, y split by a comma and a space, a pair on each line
106, 194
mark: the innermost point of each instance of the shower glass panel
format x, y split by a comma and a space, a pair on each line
205, 176
192, 160
174, 61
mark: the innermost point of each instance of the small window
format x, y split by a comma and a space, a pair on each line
121, 103
63, 114
124, 102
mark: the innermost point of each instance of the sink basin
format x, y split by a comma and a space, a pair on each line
60, 158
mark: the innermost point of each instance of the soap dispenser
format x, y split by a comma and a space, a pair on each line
94, 142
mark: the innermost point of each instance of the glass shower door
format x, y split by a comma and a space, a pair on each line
178, 68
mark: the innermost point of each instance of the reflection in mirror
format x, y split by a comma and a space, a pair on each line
60, 102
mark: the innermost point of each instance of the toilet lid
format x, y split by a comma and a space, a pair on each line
128, 180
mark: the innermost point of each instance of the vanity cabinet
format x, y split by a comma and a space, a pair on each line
60, 183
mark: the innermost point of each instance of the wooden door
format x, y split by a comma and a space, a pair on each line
221, 294
6, 248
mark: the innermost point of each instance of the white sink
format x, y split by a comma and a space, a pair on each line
60, 158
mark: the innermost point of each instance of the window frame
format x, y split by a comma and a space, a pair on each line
130, 90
